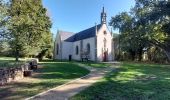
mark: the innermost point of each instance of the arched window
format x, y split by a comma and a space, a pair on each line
57, 51
105, 42
88, 48
105, 32
77, 50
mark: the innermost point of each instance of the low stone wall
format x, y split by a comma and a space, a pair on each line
15, 73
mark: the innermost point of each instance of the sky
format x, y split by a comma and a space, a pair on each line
77, 15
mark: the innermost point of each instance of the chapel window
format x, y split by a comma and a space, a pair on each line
105, 32
105, 42
88, 48
77, 50
57, 49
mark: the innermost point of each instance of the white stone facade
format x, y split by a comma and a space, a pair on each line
101, 36
96, 42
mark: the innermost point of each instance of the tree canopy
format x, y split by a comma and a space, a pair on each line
3, 18
148, 23
29, 27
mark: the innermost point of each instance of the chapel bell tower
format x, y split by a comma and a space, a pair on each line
103, 17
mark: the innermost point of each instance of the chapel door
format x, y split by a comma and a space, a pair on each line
105, 56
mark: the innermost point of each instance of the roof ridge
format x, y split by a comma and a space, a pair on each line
65, 31
89, 28
84, 34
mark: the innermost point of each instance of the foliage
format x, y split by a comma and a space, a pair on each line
154, 15
145, 25
131, 81
130, 40
29, 26
46, 47
3, 18
4, 48
154, 54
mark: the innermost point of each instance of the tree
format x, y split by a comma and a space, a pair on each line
131, 40
147, 22
29, 26
3, 18
4, 47
46, 46
155, 18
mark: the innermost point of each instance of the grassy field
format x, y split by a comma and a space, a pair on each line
96, 64
9, 62
90, 63
49, 75
131, 81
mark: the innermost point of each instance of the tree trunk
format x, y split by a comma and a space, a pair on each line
140, 52
164, 47
42, 54
132, 54
168, 54
17, 55
133, 57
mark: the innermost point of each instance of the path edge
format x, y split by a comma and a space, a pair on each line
29, 98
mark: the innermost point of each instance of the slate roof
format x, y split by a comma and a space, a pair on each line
65, 35
88, 33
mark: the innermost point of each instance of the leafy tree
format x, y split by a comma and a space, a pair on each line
155, 54
130, 39
147, 22
29, 26
3, 18
46, 46
4, 48
154, 15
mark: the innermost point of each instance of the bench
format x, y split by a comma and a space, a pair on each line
33, 64
87, 58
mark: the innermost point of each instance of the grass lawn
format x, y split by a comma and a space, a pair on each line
9, 62
131, 81
51, 74
96, 64
90, 63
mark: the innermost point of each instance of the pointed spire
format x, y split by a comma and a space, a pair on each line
103, 9
103, 16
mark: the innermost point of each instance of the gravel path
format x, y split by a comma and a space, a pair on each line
64, 92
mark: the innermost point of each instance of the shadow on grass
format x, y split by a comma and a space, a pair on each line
24, 90
131, 82
61, 70
96, 64
49, 75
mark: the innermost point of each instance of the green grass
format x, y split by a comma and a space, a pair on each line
49, 75
90, 63
131, 81
6, 62
96, 64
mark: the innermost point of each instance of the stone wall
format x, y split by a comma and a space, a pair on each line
8, 75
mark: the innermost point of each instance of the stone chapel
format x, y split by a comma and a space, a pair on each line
94, 43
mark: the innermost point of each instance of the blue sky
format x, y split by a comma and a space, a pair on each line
77, 15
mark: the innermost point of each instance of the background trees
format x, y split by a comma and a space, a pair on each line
147, 24
4, 33
156, 16
27, 25
3, 18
